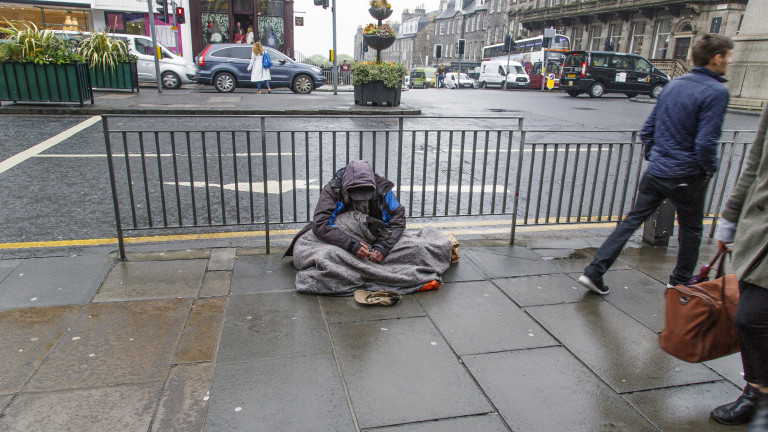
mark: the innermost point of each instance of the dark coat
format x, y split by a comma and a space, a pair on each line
333, 200
681, 135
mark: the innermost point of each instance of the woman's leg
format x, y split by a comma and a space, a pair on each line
258, 86
269, 90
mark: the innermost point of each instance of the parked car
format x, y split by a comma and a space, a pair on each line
422, 77
225, 67
494, 73
174, 69
454, 80
598, 72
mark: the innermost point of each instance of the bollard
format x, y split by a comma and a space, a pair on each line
660, 225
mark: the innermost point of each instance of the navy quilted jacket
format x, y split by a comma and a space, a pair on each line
682, 132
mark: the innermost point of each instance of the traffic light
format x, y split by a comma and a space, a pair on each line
438, 51
507, 43
365, 46
460, 50
323, 3
162, 10
179, 15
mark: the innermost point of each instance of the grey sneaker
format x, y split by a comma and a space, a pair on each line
595, 286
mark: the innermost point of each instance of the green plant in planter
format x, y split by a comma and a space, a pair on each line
28, 44
101, 50
389, 72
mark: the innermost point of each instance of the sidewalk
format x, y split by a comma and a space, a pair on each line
217, 339
197, 99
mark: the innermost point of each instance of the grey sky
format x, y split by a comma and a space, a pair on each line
316, 36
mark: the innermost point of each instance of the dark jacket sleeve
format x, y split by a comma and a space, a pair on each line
327, 207
646, 134
396, 223
709, 127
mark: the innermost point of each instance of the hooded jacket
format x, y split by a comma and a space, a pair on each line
682, 133
334, 200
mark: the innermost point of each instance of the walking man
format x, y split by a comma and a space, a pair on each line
680, 138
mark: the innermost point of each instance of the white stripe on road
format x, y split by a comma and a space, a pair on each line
45, 145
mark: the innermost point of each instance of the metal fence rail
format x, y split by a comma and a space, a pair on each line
268, 171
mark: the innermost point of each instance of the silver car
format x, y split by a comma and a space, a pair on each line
174, 70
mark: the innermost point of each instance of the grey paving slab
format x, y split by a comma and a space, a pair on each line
147, 280
28, 336
200, 337
53, 281
686, 408
402, 371
729, 367
115, 343
222, 259
184, 401
464, 270
544, 289
481, 423
345, 309
5, 400
505, 250
216, 283
263, 273
168, 254
573, 260
657, 262
288, 394
476, 317
509, 262
270, 325
617, 348
118, 408
638, 295
7, 266
548, 389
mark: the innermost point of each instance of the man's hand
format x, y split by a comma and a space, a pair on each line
723, 245
363, 252
377, 256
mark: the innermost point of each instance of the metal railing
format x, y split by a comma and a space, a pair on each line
268, 171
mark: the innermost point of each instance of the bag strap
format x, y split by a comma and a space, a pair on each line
704, 273
721, 269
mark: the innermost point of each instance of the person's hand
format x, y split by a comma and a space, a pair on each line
377, 256
363, 252
726, 231
723, 245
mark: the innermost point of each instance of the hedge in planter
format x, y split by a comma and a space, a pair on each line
377, 83
45, 83
111, 64
122, 76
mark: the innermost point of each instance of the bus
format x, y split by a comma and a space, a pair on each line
530, 53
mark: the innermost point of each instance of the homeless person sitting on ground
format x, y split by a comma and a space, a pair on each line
357, 241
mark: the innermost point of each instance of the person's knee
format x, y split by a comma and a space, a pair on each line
750, 324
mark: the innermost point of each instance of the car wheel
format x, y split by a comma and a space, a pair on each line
573, 93
170, 80
631, 95
225, 82
303, 84
596, 90
656, 90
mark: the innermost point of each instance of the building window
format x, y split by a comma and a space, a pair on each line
638, 37
215, 28
663, 29
714, 27
614, 36
496, 36
578, 35
500, 6
596, 38
214, 6
442, 27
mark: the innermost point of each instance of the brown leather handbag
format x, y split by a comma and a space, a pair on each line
699, 322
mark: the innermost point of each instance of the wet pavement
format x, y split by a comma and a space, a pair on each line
216, 339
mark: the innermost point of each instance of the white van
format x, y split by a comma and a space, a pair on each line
493, 73
174, 70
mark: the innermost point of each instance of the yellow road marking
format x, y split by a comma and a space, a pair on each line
291, 232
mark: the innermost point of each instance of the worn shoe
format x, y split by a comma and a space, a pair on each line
380, 298
760, 419
258, 92
269, 90
739, 411
595, 286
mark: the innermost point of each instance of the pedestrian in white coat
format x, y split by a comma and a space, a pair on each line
259, 73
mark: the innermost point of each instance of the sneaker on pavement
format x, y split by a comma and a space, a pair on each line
669, 285
595, 286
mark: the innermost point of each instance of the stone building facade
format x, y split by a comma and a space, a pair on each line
750, 54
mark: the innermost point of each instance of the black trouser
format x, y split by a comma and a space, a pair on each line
752, 323
687, 194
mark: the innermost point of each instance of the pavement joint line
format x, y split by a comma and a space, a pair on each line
286, 232
45, 145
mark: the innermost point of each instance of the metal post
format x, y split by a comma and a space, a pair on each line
154, 44
335, 72
506, 87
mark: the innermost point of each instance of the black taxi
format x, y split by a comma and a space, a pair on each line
600, 72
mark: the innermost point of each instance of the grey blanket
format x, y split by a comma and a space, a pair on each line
418, 257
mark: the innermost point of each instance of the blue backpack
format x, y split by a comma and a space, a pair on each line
266, 60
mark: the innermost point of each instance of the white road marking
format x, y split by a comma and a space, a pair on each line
45, 145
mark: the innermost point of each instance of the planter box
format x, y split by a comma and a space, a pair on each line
30, 82
379, 42
123, 76
377, 93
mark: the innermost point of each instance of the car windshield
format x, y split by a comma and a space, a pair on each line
518, 69
464, 77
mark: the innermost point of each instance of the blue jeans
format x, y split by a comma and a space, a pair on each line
687, 194
258, 84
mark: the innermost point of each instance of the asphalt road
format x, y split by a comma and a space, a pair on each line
63, 191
